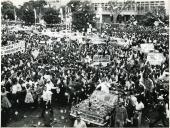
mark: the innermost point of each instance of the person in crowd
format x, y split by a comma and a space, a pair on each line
29, 97
104, 86
46, 100
161, 109
139, 108
5, 106
16, 89
79, 123
121, 115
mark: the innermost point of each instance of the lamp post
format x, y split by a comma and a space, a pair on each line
99, 15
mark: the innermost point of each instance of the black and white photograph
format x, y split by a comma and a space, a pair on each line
85, 63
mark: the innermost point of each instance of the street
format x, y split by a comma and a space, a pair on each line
31, 118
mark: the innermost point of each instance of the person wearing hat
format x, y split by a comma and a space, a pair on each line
161, 109
79, 123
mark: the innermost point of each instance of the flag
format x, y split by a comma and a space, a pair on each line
156, 23
35, 15
135, 22
15, 16
61, 13
99, 11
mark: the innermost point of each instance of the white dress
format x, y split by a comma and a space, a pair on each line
29, 97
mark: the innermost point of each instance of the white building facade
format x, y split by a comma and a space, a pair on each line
135, 7
54, 3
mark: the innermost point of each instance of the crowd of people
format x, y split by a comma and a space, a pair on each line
57, 74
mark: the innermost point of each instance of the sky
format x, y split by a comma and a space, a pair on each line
20, 2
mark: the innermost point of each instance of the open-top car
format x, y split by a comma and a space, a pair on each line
96, 108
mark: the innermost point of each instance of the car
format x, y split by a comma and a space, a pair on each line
97, 109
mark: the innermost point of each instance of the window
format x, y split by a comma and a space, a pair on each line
102, 5
146, 8
129, 7
152, 8
106, 7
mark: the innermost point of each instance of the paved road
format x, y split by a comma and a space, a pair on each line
30, 118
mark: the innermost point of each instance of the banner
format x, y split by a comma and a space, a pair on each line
35, 15
101, 58
99, 12
13, 48
61, 13
119, 41
15, 16
155, 58
146, 48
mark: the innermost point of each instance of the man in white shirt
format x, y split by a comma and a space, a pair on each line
49, 85
78, 123
47, 97
15, 95
139, 108
104, 87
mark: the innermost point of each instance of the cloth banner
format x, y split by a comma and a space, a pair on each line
100, 58
96, 40
35, 15
13, 48
155, 58
119, 41
122, 42
146, 48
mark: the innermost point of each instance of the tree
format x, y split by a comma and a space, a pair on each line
82, 15
116, 8
149, 19
28, 16
51, 16
26, 12
156, 14
74, 5
7, 10
159, 13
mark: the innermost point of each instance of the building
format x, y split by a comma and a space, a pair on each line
134, 7
54, 3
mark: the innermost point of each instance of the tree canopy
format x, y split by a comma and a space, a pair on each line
7, 10
26, 11
51, 16
82, 15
